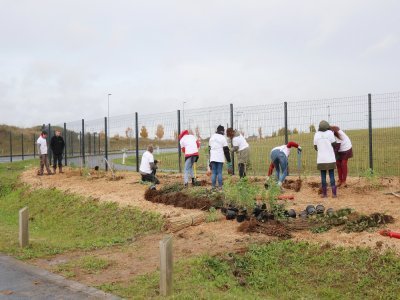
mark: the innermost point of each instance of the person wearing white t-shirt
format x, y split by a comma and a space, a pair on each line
279, 161
190, 147
344, 153
148, 166
240, 145
219, 151
42, 150
325, 143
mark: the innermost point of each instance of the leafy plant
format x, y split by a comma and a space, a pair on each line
212, 215
241, 194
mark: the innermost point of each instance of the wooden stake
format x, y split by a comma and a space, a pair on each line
166, 262
24, 227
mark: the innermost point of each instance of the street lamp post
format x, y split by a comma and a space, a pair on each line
108, 121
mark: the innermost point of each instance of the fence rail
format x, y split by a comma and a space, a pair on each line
371, 121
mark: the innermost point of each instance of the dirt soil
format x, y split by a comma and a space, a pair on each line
142, 256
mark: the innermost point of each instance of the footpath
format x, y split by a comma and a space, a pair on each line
19, 280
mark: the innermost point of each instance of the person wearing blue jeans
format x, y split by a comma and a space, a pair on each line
324, 144
280, 162
216, 168
219, 152
190, 147
189, 161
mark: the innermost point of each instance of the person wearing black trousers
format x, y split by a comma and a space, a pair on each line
57, 145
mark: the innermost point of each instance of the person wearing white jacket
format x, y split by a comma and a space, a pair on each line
42, 150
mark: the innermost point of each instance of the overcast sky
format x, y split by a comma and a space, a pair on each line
60, 59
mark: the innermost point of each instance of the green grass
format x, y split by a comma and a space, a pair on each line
279, 270
61, 222
89, 264
386, 156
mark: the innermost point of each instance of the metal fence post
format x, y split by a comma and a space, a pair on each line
80, 143
137, 140
371, 159
89, 143
65, 144
179, 146
94, 143
49, 135
106, 142
233, 155
83, 141
11, 154
34, 146
286, 123
22, 146
71, 139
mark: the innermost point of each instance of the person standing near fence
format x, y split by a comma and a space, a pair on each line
219, 151
279, 161
343, 154
324, 144
240, 145
148, 166
190, 146
42, 150
57, 145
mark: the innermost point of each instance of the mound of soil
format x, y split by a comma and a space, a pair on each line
270, 228
292, 184
178, 199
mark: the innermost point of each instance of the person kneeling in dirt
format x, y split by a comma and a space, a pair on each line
190, 146
279, 161
148, 166
42, 150
219, 151
240, 146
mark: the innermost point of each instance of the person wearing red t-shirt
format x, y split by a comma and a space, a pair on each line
279, 160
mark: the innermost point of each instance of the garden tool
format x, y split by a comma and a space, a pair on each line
299, 162
390, 233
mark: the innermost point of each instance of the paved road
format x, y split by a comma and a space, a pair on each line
20, 281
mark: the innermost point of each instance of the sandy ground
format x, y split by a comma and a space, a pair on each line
142, 255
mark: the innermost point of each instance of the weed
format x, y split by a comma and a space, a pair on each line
212, 215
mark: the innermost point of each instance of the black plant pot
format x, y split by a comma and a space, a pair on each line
310, 209
240, 218
320, 209
231, 214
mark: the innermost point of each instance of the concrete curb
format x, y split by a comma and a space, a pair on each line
50, 278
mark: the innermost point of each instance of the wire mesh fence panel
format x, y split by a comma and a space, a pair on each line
73, 140
261, 125
349, 114
386, 133
203, 123
161, 131
94, 138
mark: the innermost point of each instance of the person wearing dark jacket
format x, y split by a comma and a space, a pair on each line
57, 145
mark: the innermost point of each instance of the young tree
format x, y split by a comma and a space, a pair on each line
312, 128
143, 132
295, 131
260, 132
160, 131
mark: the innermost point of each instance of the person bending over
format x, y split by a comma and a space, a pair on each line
240, 145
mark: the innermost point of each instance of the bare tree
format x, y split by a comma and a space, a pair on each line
312, 128
260, 132
197, 130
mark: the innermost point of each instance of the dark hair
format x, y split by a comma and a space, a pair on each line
220, 129
44, 132
230, 132
335, 130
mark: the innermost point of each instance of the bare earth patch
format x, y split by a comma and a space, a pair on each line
142, 255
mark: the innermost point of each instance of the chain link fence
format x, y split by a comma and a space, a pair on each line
371, 122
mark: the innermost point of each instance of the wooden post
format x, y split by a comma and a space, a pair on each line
24, 227
166, 266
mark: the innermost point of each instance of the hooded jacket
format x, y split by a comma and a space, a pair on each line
190, 146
